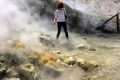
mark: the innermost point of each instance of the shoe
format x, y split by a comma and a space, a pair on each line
56, 38
67, 38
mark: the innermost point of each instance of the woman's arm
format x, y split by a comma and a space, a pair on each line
66, 17
55, 17
54, 21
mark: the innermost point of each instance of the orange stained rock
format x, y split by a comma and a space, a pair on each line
48, 58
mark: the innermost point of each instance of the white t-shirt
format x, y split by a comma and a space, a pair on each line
60, 15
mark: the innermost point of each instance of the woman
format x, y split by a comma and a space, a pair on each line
60, 18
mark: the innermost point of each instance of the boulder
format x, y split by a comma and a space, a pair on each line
11, 72
46, 9
3, 69
86, 65
46, 40
28, 71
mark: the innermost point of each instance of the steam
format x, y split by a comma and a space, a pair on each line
97, 11
16, 20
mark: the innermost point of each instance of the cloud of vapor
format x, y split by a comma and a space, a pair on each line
97, 10
16, 20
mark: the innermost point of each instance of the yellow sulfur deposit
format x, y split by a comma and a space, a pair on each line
17, 44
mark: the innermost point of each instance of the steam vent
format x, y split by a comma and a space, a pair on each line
59, 39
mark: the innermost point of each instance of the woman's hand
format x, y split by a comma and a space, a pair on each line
54, 23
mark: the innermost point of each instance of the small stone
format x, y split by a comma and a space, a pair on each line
84, 38
80, 61
2, 59
92, 49
56, 52
94, 76
81, 46
70, 61
58, 61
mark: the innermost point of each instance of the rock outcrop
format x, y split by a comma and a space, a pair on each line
78, 20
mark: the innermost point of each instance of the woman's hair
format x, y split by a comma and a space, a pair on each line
60, 5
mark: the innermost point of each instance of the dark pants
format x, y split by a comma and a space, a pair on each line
60, 25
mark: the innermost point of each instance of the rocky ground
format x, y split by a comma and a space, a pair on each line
82, 57
25, 56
